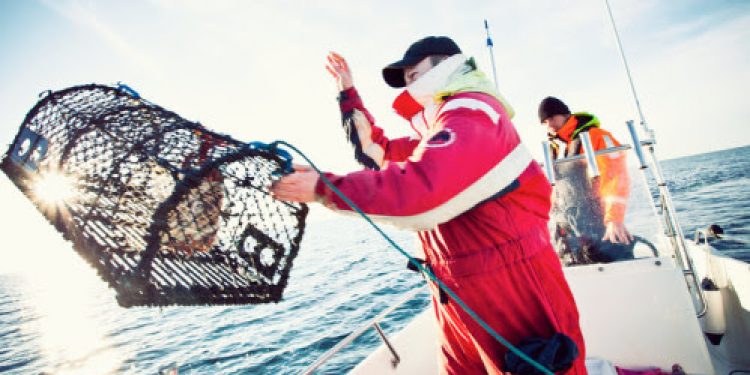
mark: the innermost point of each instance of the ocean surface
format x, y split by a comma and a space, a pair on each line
62, 319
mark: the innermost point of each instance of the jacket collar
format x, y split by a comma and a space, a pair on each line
421, 93
577, 122
566, 131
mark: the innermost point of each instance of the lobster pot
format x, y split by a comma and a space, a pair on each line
167, 211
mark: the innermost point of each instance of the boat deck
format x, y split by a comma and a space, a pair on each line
633, 314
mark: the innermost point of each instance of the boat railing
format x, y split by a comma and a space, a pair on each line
597, 153
372, 323
668, 214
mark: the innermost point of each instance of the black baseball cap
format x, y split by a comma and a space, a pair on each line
431, 45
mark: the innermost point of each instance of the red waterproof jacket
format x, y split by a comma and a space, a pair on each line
466, 183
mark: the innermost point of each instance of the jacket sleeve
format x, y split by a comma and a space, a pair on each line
371, 147
475, 156
614, 183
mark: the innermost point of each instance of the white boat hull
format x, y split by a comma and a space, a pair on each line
733, 279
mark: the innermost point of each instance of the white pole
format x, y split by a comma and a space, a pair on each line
627, 70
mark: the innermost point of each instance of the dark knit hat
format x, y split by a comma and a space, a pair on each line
431, 45
551, 106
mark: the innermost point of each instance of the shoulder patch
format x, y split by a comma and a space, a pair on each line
443, 138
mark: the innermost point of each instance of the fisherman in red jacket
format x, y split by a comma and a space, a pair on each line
598, 206
472, 192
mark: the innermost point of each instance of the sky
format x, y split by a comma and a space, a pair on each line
255, 69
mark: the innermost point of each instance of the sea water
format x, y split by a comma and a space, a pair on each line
62, 319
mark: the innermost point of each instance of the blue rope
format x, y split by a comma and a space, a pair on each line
128, 90
419, 266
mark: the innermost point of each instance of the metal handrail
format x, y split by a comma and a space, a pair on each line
548, 168
588, 153
372, 323
669, 215
605, 151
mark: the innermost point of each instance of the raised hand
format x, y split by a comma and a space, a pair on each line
339, 69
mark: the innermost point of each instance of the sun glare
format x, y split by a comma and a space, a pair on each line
54, 188
70, 324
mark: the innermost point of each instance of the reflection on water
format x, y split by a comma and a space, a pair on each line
65, 316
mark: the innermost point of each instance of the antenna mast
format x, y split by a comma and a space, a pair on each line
627, 70
492, 54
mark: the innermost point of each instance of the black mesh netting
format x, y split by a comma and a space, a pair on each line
167, 211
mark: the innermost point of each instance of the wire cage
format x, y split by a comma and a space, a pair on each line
167, 211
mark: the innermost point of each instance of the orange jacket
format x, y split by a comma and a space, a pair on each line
614, 182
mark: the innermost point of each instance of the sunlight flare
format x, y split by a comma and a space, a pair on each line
54, 188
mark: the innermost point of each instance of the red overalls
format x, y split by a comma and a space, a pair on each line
480, 204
